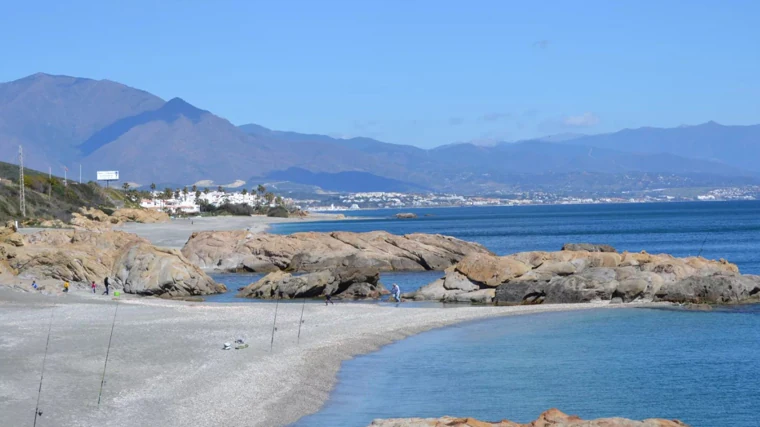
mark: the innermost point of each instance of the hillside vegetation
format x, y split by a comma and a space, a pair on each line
61, 201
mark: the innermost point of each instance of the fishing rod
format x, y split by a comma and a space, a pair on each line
103, 379
300, 322
37, 411
274, 325
702, 247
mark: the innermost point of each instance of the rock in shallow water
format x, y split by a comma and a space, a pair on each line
342, 283
583, 276
550, 418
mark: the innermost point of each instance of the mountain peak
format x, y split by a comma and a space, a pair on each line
178, 106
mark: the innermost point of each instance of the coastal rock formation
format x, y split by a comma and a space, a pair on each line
589, 247
145, 216
309, 252
342, 283
406, 215
97, 220
550, 418
581, 276
130, 261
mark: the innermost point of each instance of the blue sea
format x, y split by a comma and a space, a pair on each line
700, 367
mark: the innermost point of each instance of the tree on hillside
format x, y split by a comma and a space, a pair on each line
269, 197
205, 190
278, 201
167, 193
125, 186
152, 190
261, 190
244, 192
176, 194
220, 189
197, 195
184, 192
195, 188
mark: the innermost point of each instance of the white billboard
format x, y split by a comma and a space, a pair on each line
108, 175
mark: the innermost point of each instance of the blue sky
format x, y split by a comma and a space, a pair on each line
416, 72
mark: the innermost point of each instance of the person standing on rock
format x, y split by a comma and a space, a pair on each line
396, 292
105, 282
66, 286
93, 285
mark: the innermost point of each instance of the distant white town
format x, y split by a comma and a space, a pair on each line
192, 202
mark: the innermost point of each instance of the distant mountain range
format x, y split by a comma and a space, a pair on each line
104, 125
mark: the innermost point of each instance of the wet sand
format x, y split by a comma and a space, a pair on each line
166, 366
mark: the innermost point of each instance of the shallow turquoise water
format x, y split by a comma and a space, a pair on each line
702, 368
699, 367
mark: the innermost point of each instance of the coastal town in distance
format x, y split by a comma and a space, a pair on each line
188, 202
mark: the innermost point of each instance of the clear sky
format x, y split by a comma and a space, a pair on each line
416, 72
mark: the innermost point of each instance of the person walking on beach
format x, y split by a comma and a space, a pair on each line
105, 282
328, 299
396, 292
93, 286
34, 284
66, 286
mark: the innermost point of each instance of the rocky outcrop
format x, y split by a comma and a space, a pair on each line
131, 262
342, 283
550, 418
589, 247
582, 276
146, 216
309, 252
406, 215
97, 220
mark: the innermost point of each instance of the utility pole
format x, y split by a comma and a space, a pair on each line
21, 196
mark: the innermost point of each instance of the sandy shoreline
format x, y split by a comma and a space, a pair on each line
166, 366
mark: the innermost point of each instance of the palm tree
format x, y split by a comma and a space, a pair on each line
176, 194
220, 189
184, 192
278, 201
244, 192
205, 190
195, 188
125, 186
261, 189
269, 197
197, 195
152, 190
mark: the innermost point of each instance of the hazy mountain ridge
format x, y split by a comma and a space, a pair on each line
106, 125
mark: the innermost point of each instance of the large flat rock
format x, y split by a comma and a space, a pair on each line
310, 252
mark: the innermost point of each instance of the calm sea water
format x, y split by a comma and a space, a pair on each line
699, 367
728, 230
719, 230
